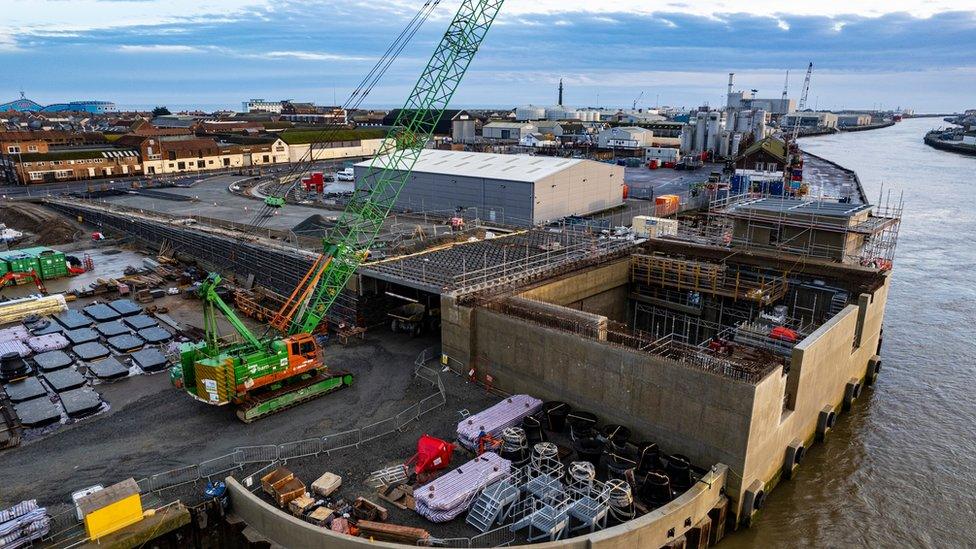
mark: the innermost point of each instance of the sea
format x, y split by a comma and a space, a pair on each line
899, 470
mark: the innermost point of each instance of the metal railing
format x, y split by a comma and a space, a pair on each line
239, 457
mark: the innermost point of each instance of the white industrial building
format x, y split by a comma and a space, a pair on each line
662, 154
260, 105
626, 137
514, 189
811, 120
508, 130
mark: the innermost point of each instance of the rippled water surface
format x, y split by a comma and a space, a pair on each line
900, 470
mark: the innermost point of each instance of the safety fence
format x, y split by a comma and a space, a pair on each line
241, 457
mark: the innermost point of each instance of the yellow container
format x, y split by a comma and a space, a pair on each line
111, 509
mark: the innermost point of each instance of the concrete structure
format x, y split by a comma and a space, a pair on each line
746, 100
514, 131
690, 511
627, 137
518, 189
753, 416
823, 120
705, 133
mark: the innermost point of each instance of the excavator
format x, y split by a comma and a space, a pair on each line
285, 367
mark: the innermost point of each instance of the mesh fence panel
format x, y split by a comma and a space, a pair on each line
299, 448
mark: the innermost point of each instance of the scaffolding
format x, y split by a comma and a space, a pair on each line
844, 232
707, 277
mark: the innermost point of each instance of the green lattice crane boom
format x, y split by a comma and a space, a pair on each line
348, 243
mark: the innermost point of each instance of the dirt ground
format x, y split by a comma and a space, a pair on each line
41, 227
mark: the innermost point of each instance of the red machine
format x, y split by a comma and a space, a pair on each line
783, 333
15, 277
432, 454
316, 182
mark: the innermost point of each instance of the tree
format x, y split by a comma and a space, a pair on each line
160, 111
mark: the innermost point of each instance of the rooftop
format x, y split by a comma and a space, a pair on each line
512, 167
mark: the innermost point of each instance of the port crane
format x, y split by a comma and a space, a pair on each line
266, 374
793, 172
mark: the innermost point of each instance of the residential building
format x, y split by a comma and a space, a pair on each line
625, 137
443, 126
76, 164
260, 105
538, 140
312, 114
767, 155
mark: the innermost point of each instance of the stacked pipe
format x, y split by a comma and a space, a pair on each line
23, 524
19, 309
452, 493
507, 413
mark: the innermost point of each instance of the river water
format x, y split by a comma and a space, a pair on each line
900, 469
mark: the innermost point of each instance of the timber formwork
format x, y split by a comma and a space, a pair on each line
706, 277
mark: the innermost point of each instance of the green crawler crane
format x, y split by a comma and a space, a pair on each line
263, 376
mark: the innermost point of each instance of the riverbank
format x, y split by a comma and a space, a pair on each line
931, 139
866, 127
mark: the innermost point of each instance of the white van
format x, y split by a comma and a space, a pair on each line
347, 174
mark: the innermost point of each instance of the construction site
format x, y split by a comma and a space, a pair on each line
263, 373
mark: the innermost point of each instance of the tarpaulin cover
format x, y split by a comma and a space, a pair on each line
46, 326
47, 342
101, 312
453, 492
18, 332
81, 402
14, 346
72, 319
25, 389
52, 360
90, 351
139, 322
125, 342
149, 359
112, 328
155, 334
37, 412
110, 368
81, 335
507, 413
64, 380
125, 307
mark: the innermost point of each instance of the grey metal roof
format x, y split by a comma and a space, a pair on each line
511, 167
795, 205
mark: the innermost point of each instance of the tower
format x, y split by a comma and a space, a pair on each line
560, 103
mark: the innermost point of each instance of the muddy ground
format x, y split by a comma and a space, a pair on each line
41, 227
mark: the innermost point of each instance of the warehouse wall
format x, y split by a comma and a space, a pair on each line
582, 188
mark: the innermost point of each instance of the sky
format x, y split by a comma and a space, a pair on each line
212, 54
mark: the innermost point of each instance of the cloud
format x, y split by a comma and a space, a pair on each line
160, 48
309, 56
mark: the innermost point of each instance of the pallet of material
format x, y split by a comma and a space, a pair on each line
300, 505
380, 531
274, 479
326, 484
290, 490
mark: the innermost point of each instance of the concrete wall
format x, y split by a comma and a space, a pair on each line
684, 410
706, 416
822, 365
648, 531
603, 291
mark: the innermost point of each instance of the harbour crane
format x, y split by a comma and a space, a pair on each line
793, 171
263, 375
639, 97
